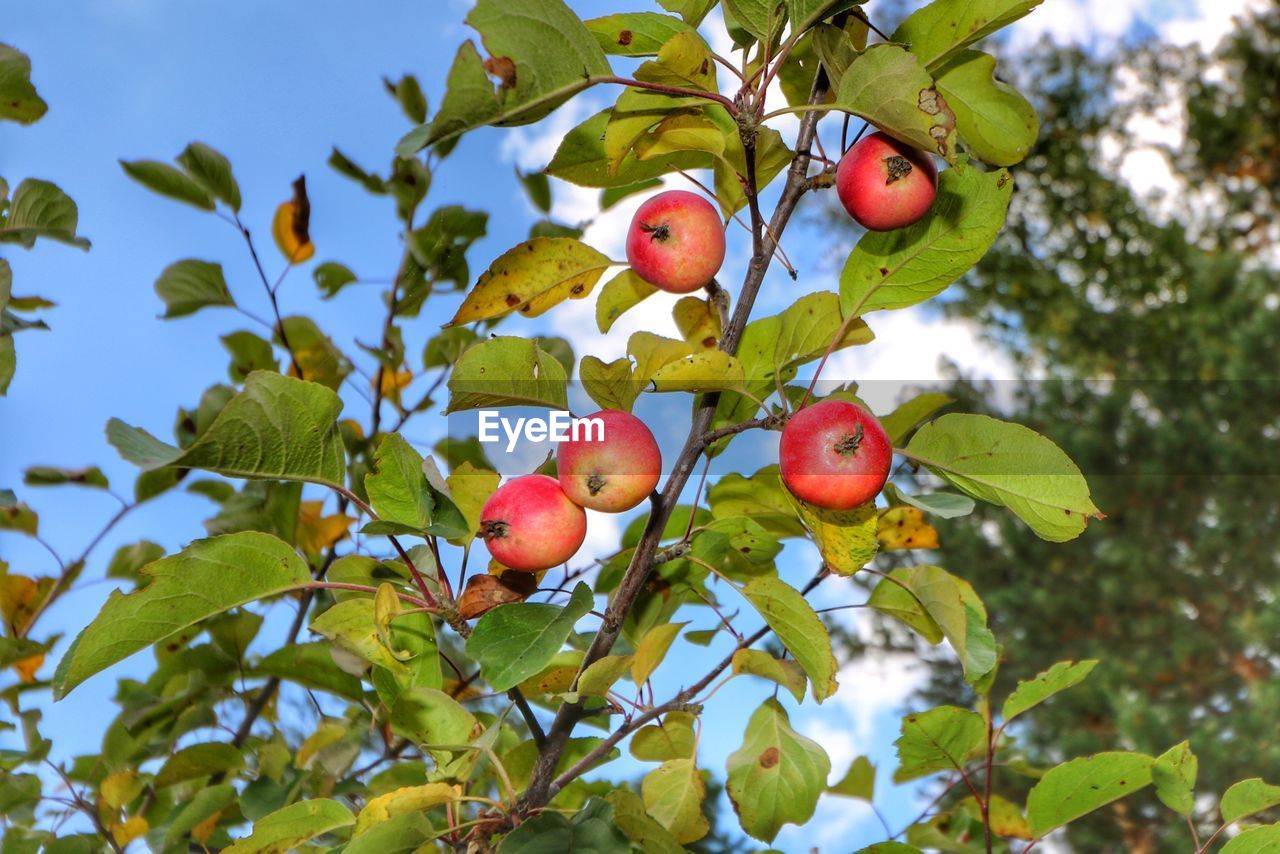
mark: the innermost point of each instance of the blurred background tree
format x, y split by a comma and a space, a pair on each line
1154, 322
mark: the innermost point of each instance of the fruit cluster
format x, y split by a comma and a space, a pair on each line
833, 454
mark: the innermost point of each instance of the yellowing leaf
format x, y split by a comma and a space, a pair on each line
532, 277
845, 538
405, 800
602, 674
710, 370
119, 788
392, 382
27, 668
785, 672
905, 528
292, 225
315, 533
673, 795
471, 488
624, 291
129, 830
652, 649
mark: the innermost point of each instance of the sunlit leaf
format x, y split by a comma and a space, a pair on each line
777, 775
1083, 785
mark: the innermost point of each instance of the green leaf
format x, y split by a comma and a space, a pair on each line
403, 834
889, 87
635, 33
591, 831
542, 54
199, 760
507, 371
40, 209
533, 277
896, 269
8, 362
793, 620
946, 505
513, 642
581, 159
760, 497
19, 101
692, 11
351, 626
1010, 466
189, 285
858, 782
762, 18
212, 171
1247, 798
311, 665
889, 848
167, 181
609, 385
805, 13
398, 490
249, 353
777, 775
16, 649
205, 803
55, 476
994, 121
1255, 840
331, 277
937, 604
911, 414
1082, 785
673, 738
408, 94
1174, 776
429, 716
286, 829
206, 578
941, 739
673, 794
937, 31
277, 428
789, 674
1033, 692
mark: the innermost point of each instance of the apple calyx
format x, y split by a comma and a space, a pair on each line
899, 168
493, 529
849, 444
660, 233
595, 483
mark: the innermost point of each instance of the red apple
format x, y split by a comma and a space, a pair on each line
886, 184
610, 471
834, 454
529, 524
676, 242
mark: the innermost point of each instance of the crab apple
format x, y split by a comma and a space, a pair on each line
529, 524
611, 470
886, 184
834, 454
676, 242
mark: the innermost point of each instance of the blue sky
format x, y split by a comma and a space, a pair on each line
274, 86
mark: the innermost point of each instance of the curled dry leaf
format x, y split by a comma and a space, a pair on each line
486, 592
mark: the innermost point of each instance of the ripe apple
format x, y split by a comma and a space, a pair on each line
529, 524
886, 184
676, 242
613, 473
834, 454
